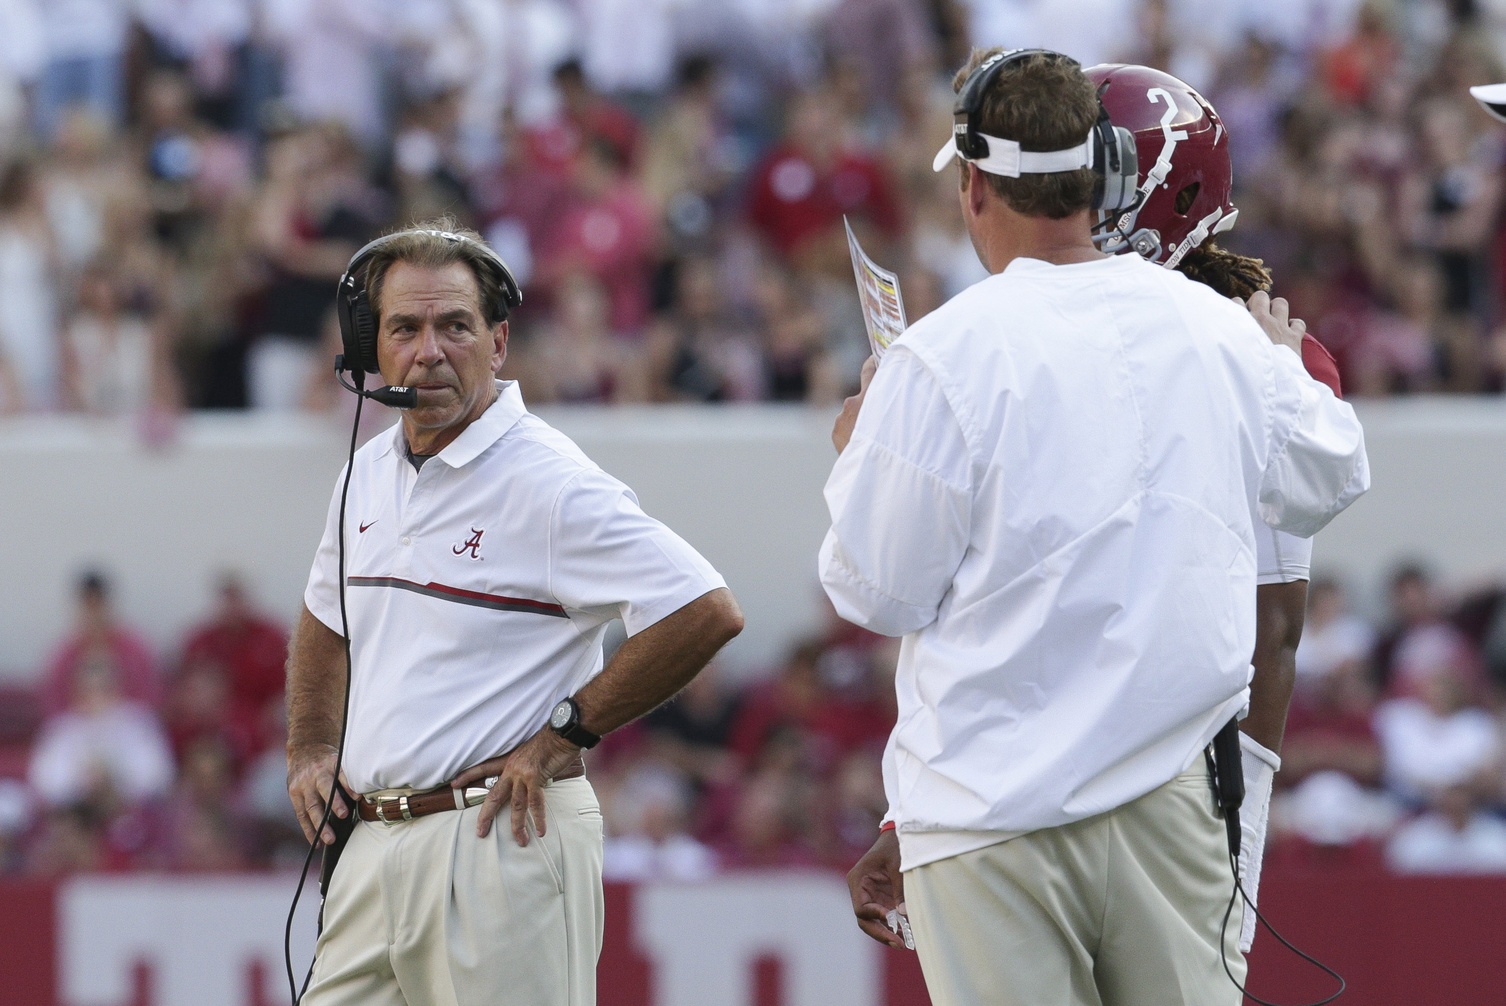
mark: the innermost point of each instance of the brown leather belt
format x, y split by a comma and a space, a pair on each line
393, 809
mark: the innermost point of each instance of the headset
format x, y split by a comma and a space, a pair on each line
358, 333
1109, 150
358, 325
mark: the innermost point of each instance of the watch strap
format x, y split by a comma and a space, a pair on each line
572, 731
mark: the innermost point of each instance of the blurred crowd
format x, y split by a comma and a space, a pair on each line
182, 181
121, 759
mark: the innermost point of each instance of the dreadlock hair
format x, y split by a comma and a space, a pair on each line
1228, 273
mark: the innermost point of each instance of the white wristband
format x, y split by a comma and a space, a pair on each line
1259, 764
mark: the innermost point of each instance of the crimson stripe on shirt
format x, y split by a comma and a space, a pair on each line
459, 595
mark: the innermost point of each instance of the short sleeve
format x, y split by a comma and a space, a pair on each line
1317, 464
901, 503
322, 595
610, 559
1281, 557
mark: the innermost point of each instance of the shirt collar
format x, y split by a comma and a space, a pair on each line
499, 417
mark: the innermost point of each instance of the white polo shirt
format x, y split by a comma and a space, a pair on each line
479, 589
1049, 494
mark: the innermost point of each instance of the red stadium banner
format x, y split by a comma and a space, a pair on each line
754, 939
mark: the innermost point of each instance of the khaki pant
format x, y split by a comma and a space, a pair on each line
423, 912
1122, 909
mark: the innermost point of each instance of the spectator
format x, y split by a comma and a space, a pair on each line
199, 706
587, 117
88, 181
835, 717
192, 170
1433, 737
98, 632
85, 44
884, 39
312, 214
114, 362
73, 839
427, 156
1456, 836
104, 748
805, 185
250, 648
575, 358
777, 812
855, 807
606, 230
28, 296
798, 366
1330, 727
200, 821
649, 841
693, 732
23, 51
330, 53
698, 352
1450, 203
690, 157
1414, 605
1353, 69
1332, 634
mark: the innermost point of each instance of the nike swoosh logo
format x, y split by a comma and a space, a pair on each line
365, 526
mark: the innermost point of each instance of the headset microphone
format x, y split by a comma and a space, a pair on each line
395, 396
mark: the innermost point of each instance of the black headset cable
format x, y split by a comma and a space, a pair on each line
287, 937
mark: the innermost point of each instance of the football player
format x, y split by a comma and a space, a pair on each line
1186, 180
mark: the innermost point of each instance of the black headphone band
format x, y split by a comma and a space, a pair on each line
353, 303
512, 295
969, 101
1114, 159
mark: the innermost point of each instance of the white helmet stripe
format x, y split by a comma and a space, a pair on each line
1196, 237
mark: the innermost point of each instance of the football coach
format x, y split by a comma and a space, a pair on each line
1046, 487
486, 556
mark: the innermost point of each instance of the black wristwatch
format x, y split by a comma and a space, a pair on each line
565, 721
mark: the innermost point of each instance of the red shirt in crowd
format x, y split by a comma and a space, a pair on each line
136, 672
612, 237
252, 653
792, 199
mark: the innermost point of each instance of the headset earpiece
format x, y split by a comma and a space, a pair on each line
358, 328
364, 326
1117, 164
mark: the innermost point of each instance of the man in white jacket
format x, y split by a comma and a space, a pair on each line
1047, 489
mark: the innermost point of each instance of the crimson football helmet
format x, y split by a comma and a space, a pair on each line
1185, 175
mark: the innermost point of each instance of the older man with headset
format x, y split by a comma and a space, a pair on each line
1047, 488
480, 558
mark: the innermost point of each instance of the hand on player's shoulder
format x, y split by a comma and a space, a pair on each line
1273, 314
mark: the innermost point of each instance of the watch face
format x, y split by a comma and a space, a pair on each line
560, 718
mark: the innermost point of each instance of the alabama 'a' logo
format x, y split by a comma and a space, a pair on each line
471, 545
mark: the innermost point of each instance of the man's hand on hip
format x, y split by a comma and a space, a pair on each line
842, 431
1274, 317
521, 775
311, 778
877, 887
